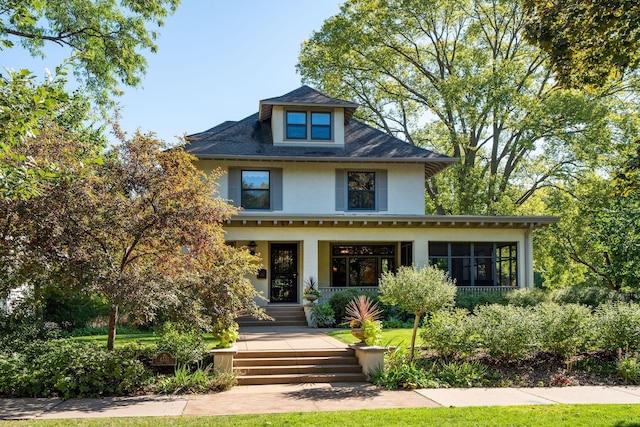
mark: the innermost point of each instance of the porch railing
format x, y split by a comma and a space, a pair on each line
327, 292
477, 289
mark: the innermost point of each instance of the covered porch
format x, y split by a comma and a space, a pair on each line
340, 252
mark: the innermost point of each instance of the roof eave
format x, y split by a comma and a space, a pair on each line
391, 221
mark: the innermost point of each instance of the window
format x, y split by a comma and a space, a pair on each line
317, 124
296, 125
321, 126
476, 264
255, 190
360, 265
362, 190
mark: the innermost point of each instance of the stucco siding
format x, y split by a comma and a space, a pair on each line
309, 188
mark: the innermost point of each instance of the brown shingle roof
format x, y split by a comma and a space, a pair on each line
305, 96
251, 139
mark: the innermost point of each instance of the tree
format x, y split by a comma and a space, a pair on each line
589, 42
426, 290
458, 77
598, 238
143, 230
106, 38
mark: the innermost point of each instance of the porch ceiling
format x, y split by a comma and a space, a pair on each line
419, 221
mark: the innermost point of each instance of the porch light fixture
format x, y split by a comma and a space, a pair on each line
252, 247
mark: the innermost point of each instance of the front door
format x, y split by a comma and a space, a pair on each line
284, 272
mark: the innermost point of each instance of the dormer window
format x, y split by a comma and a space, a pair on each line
302, 124
320, 125
296, 125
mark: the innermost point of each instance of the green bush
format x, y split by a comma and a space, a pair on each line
186, 346
471, 300
450, 333
463, 374
564, 329
617, 326
506, 332
592, 296
372, 331
198, 380
67, 368
226, 334
18, 332
526, 297
629, 369
340, 299
322, 316
71, 311
399, 372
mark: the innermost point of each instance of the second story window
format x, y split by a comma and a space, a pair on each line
255, 190
362, 190
296, 125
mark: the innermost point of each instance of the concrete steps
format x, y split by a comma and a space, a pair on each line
283, 315
297, 366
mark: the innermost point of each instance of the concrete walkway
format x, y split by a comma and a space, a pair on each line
305, 397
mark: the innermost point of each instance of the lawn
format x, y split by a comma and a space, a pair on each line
146, 338
390, 337
539, 416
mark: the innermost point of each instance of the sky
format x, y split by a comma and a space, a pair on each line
216, 60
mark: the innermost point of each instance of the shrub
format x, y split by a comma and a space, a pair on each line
195, 381
372, 331
617, 326
450, 333
463, 374
471, 300
400, 372
18, 332
340, 299
226, 334
525, 297
564, 329
71, 311
629, 369
506, 332
322, 316
592, 296
186, 346
67, 368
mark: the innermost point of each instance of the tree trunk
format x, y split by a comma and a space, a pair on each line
113, 321
416, 323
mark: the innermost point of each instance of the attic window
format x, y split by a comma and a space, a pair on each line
302, 124
296, 125
320, 125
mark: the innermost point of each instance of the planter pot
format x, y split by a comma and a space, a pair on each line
358, 333
311, 298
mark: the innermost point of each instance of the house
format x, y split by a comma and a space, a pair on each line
326, 196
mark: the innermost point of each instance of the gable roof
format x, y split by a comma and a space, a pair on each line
307, 97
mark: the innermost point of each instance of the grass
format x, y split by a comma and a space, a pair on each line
390, 337
539, 416
146, 338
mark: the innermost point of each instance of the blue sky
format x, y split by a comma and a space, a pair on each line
216, 60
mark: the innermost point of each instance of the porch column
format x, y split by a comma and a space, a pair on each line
309, 259
421, 253
528, 259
